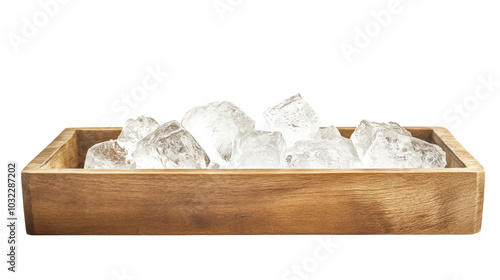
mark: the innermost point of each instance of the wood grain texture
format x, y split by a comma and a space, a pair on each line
62, 198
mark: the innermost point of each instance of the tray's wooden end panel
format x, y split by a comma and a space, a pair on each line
28, 209
464, 164
60, 153
479, 201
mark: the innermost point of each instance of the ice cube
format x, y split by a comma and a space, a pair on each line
393, 150
430, 155
108, 155
259, 149
294, 118
170, 146
213, 165
336, 153
136, 129
327, 133
364, 135
215, 126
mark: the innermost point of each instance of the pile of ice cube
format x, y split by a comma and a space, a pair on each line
221, 135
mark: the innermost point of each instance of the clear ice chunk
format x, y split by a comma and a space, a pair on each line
327, 133
170, 146
215, 126
108, 155
335, 153
294, 118
364, 135
136, 129
259, 149
214, 165
393, 150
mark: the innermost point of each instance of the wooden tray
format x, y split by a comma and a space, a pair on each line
60, 197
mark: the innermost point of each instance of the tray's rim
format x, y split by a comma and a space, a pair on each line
471, 164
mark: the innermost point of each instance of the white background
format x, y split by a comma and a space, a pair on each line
417, 70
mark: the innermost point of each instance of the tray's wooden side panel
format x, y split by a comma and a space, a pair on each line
238, 203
